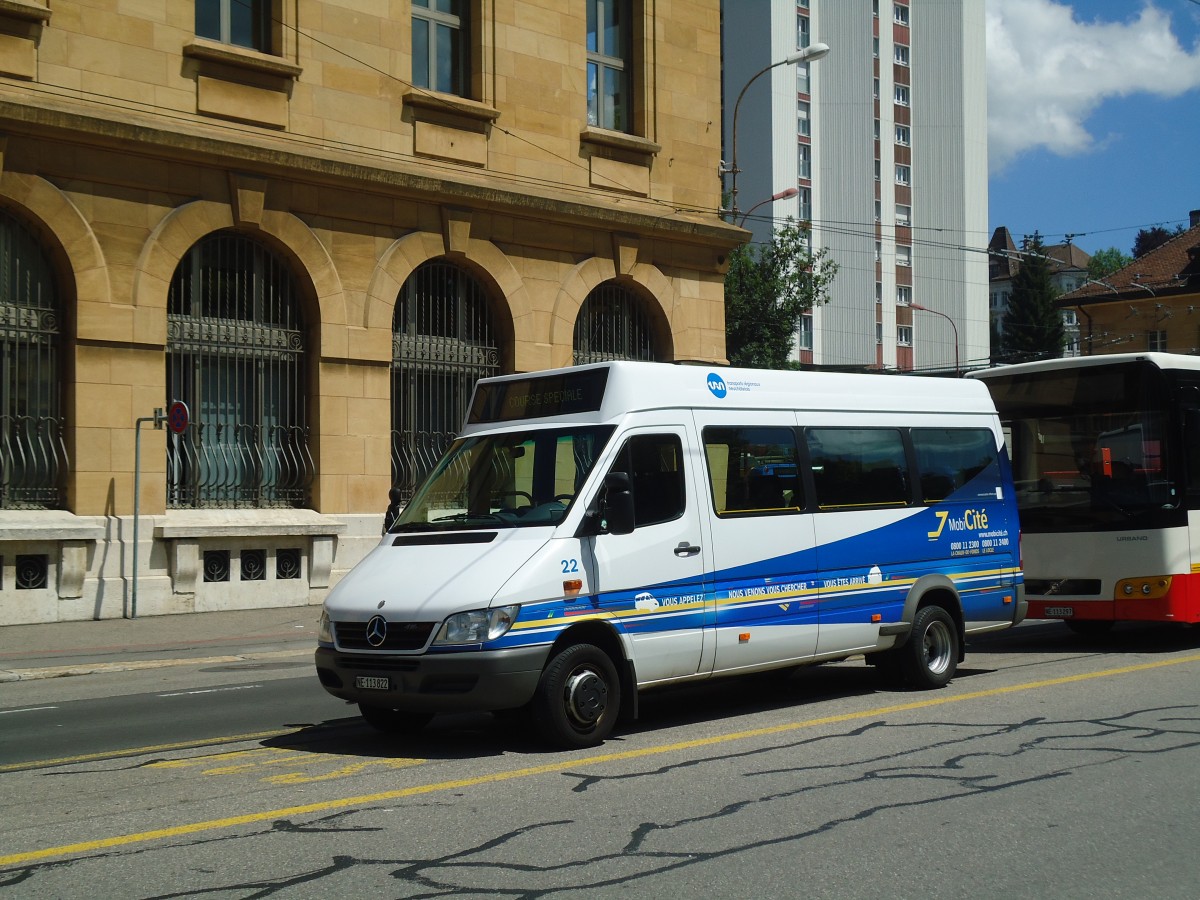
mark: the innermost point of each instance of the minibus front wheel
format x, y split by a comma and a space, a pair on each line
578, 697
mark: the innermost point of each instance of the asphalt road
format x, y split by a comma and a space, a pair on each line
1049, 767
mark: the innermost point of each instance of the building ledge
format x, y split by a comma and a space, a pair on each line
24, 10
452, 105
240, 58
209, 523
49, 525
618, 140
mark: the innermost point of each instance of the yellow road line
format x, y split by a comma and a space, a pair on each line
139, 751
572, 764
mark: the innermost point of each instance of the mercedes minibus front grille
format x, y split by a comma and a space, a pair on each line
401, 636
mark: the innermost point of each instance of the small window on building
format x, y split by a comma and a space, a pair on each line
903, 255
901, 55
440, 50
802, 34
903, 214
901, 95
904, 335
803, 125
609, 64
903, 295
243, 23
900, 13
804, 161
805, 340
1156, 340
903, 135
879, 292
903, 175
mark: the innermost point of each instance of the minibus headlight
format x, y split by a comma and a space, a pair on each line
477, 626
324, 628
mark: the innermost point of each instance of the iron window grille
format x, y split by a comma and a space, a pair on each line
612, 324
235, 355
443, 341
33, 454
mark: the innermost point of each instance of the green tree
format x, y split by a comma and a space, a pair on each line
767, 289
1151, 238
1032, 325
1104, 262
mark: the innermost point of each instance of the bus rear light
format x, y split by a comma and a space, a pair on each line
1149, 588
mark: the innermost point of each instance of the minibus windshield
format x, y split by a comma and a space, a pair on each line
518, 479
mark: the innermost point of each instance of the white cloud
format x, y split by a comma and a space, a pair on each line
1048, 71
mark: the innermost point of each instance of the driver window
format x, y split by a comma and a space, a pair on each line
655, 466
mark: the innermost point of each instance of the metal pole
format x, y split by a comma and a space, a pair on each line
157, 419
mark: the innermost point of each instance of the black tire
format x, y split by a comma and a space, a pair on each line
577, 699
394, 721
930, 657
1090, 627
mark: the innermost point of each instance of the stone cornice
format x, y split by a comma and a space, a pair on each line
291, 157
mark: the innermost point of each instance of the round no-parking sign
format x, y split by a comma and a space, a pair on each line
177, 416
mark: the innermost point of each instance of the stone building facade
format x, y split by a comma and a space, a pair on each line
256, 252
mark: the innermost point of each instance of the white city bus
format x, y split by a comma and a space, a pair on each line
1106, 461
600, 530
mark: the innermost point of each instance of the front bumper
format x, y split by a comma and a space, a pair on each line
451, 682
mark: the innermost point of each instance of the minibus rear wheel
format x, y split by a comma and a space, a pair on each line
394, 721
578, 698
930, 657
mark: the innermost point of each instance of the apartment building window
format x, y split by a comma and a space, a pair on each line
876, 170
903, 135
901, 54
878, 210
878, 251
1156, 340
879, 332
903, 295
802, 79
243, 23
903, 214
903, 255
903, 175
608, 64
900, 13
904, 335
876, 129
439, 45
803, 123
804, 199
875, 49
879, 292
876, 88
804, 161
802, 34
805, 338
901, 95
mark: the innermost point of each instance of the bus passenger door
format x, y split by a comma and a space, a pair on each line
652, 579
763, 581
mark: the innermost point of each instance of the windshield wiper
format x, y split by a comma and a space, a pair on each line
470, 517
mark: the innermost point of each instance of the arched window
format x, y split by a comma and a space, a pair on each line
235, 356
33, 457
613, 324
443, 341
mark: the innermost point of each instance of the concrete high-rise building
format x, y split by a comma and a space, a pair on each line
885, 142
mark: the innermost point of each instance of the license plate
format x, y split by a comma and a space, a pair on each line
1060, 612
371, 683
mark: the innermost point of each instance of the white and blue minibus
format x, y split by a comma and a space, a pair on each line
602, 530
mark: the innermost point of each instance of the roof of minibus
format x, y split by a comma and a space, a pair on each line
1162, 360
636, 386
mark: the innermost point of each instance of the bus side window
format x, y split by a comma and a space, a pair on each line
950, 458
858, 467
753, 469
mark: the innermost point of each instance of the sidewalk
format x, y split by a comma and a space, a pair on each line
60, 649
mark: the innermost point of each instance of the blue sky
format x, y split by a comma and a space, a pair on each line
1093, 117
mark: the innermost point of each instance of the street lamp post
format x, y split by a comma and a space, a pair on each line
957, 368
782, 195
811, 53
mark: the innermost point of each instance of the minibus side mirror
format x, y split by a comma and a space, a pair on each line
617, 506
